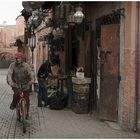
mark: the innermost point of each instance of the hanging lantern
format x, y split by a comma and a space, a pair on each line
33, 39
78, 16
35, 16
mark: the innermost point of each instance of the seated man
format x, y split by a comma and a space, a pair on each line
47, 69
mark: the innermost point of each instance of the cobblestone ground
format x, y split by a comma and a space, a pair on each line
46, 123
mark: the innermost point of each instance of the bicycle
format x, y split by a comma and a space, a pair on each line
21, 110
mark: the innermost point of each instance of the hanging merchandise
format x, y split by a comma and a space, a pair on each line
49, 22
65, 8
57, 33
79, 29
59, 44
68, 8
62, 11
70, 18
57, 12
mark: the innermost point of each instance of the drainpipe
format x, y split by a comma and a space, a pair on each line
136, 71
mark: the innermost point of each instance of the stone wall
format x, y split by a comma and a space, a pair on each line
129, 81
138, 70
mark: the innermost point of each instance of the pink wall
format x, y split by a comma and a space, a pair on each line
7, 35
129, 81
2, 40
20, 26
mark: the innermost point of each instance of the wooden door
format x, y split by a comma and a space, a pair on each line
109, 72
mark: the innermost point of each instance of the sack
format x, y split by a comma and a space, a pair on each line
58, 101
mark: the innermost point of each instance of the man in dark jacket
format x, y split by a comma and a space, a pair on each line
43, 72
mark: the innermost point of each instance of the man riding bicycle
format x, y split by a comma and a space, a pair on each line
20, 74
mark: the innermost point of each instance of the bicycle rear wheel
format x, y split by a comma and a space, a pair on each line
24, 112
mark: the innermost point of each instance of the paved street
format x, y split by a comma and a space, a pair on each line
46, 123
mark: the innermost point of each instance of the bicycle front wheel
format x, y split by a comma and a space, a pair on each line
23, 109
18, 113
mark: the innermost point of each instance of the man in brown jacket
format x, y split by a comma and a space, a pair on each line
20, 74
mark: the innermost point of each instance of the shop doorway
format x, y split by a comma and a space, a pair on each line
109, 72
108, 46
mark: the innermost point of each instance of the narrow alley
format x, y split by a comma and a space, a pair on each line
46, 123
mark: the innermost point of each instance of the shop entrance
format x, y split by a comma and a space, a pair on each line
109, 72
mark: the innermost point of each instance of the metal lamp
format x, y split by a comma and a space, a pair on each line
32, 45
78, 16
33, 40
32, 21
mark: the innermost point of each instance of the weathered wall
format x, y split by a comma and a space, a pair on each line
11, 34
128, 96
7, 35
138, 70
98, 9
20, 28
127, 56
94, 11
2, 37
85, 54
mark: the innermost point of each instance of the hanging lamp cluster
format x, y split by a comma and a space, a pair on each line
57, 16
